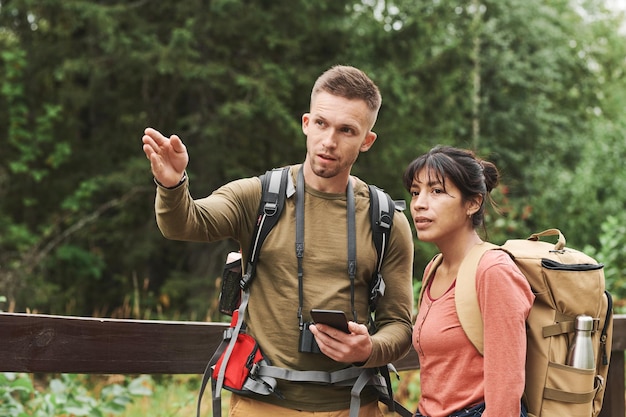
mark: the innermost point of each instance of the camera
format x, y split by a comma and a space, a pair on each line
308, 344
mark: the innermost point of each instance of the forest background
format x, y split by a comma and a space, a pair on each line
537, 86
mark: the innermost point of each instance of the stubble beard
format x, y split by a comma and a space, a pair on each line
330, 169
324, 172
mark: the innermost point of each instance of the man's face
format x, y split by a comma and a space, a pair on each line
337, 129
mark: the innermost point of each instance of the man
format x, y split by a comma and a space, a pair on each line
343, 109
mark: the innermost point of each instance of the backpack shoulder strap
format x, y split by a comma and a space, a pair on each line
434, 263
382, 209
275, 184
466, 298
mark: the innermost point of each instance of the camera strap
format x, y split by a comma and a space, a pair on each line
300, 242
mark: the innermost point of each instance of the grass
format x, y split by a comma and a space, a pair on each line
175, 396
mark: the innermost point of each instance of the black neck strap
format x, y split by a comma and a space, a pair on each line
300, 242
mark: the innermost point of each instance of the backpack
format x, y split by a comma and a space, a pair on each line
566, 283
238, 364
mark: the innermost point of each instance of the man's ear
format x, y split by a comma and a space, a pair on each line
370, 138
306, 117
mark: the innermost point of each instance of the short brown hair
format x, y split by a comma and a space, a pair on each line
351, 83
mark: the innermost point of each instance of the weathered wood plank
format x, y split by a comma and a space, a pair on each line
619, 332
64, 344
42, 343
45, 343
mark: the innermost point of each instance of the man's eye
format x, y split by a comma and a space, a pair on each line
415, 193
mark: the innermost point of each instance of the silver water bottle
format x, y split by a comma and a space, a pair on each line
580, 353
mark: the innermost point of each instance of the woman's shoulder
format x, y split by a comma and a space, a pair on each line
496, 257
498, 274
498, 263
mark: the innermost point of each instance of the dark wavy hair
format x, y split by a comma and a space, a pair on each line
471, 175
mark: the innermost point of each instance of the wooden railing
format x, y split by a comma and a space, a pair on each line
62, 344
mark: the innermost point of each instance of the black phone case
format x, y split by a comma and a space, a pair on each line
334, 318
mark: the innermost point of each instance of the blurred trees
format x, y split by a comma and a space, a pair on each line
536, 86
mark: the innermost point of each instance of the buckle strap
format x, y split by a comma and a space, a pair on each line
228, 334
361, 382
256, 383
320, 377
558, 328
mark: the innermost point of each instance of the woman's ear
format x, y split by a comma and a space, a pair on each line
474, 204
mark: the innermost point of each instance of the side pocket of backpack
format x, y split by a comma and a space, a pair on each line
568, 391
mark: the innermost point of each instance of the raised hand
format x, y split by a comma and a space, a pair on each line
168, 156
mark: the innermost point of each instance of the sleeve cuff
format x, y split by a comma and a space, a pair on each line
181, 182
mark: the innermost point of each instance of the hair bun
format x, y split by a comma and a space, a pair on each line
492, 176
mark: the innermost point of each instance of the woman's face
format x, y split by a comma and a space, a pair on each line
439, 212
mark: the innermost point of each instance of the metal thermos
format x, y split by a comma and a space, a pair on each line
580, 354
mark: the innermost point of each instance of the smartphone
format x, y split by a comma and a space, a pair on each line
334, 318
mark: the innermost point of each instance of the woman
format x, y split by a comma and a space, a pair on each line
449, 188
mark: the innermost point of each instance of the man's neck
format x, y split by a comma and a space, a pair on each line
333, 185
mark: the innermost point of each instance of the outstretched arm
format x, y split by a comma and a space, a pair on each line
168, 156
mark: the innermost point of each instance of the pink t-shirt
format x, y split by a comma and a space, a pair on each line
453, 375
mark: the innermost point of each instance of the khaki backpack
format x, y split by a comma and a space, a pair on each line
566, 283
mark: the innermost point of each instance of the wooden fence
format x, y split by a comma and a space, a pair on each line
62, 344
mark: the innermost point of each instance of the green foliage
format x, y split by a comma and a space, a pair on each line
66, 395
581, 196
35, 150
14, 391
612, 253
535, 86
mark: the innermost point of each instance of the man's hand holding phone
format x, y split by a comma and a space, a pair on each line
332, 318
340, 339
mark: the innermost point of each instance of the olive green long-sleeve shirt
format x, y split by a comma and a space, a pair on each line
231, 211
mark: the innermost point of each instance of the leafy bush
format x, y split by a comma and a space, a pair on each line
66, 395
612, 253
